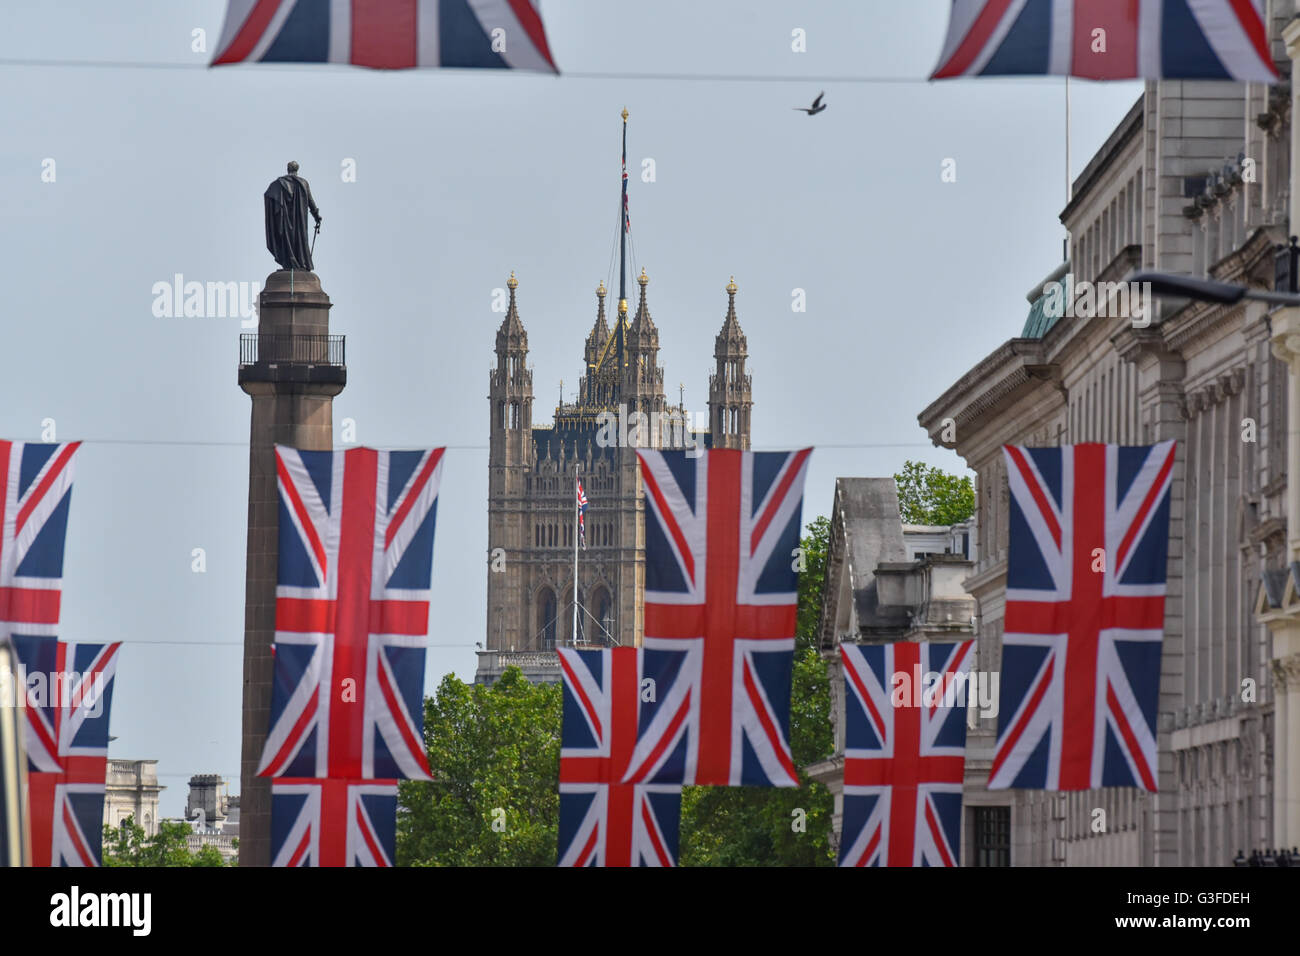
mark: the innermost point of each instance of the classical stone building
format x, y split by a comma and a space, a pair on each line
213, 815
532, 470
885, 581
131, 789
1194, 180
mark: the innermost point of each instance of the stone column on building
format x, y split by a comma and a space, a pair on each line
292, 372
1285, 623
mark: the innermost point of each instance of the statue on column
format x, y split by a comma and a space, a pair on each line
288, 200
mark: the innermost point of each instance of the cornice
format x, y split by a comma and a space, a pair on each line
1006, 370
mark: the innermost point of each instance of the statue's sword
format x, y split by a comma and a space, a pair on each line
313, 237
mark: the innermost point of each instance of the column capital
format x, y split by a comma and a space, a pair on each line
1285, 340
1286, 671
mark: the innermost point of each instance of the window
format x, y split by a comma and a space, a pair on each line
992, 836
546, 620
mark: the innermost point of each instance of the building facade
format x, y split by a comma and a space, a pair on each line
131, 789
1193, 181
532, 470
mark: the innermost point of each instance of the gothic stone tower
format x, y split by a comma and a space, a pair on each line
532, 471
730, 393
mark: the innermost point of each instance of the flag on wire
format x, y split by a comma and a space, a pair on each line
1112, 40
582, 516
1085, 613
603, 821
333, 822
352, 613
904, 752
387, 34
37, 494
68, 692
722, 529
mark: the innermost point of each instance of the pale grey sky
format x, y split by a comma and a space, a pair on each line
462, 177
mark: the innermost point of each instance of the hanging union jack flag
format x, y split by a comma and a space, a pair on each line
68, 693
722, 529
33, 522
604, 822
333, 822
1113, 40
904, 753
582, 516
387, 34
1085, 611
352, 613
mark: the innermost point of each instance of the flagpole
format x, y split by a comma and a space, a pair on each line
575, 556
1069, 188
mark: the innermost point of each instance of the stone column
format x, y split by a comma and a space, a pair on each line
292, 382
1285, 622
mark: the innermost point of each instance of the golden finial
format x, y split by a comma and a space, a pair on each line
731, 286
512, 281
600, 289
625, 114
643, 278
622, 306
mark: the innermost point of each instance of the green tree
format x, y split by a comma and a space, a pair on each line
495, 756
929, 495
127, 845
762, 826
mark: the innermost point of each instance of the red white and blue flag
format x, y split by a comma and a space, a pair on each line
603, 821
582, 516
333, 822
904, 752
387, 34
37, 494
1109, 39
68, 694
722, 530
1085, 612
352, 613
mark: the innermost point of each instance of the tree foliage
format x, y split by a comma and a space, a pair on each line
929, 495
763, 826
127, 845
495, 756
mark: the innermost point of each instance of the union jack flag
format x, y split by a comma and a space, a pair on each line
33, 523
904, 753
1116, 40
1085, 611
352, 613
387, 34
68, 694
604, 822
582, 516
333, 822
722, 529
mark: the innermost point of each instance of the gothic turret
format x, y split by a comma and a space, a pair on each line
511, 387
730, 392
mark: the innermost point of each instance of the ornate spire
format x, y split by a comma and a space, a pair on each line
642, 322
511, 333
731, 332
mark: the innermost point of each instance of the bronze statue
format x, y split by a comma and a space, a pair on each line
288, 200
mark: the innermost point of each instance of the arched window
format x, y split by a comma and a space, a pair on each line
546, 619
601, 609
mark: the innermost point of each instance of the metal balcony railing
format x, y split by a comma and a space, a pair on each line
279, 349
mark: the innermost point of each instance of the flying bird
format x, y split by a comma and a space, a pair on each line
816, 107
